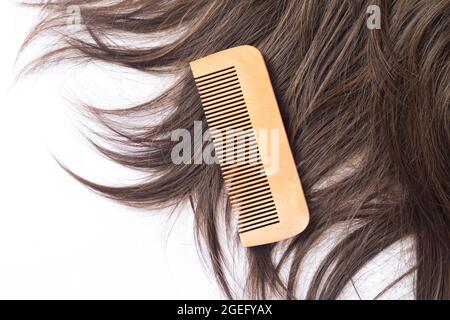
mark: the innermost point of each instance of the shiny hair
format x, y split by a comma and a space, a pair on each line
366, 112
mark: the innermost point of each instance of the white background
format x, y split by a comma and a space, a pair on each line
60, 240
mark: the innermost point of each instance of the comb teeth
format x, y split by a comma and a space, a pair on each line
242, 167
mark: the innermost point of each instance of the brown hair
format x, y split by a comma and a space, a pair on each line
366, 112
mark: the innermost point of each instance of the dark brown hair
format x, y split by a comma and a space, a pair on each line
366, 112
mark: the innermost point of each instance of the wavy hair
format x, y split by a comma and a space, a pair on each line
366, 112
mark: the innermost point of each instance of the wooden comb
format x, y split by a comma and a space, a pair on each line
238, 101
